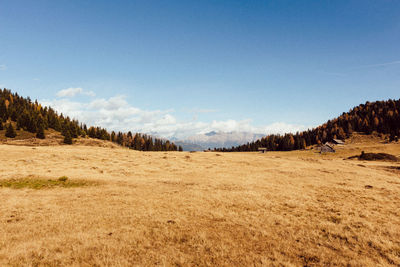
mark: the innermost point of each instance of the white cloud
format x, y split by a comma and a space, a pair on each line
71, 92
113, 103
89, 93
282, 127
115, 113
3, 67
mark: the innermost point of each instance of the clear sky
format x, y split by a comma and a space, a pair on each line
181, 67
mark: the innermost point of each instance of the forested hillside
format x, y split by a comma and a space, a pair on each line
19, 113
380, 116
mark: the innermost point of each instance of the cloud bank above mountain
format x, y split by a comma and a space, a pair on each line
115, 113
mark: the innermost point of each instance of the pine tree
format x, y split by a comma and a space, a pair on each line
303, 144
68, 138
10, 132
31, 127
40, 128
181, 149
57, 124
40, 132
3, 109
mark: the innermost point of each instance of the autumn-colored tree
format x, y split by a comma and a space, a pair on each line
340, 133
380, 116
365, 126
376, 123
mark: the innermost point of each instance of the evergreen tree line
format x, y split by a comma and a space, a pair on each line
32, 117
380, 116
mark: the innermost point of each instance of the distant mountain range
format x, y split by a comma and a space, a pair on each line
214, 139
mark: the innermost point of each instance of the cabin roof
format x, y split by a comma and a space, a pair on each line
338, 141
327, 148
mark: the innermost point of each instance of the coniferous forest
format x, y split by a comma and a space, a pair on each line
380, 116
32, 117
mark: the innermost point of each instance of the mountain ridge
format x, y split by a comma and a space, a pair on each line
380, 116
218, 139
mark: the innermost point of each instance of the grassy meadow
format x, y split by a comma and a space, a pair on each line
128, 208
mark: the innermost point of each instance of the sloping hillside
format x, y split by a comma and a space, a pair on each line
380, 117
53, 138
20, 118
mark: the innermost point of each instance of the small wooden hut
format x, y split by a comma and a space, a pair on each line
327, 148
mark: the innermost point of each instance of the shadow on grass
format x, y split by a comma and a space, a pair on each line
375, 156
39, 183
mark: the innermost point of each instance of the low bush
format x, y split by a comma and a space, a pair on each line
39, 183
376, 156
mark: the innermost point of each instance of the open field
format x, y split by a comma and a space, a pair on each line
178, 208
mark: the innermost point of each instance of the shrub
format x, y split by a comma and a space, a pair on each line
10, 132
63, 179
68, 138
41, 183
40, 132
377, 156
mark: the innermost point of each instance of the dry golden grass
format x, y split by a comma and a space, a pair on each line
235, 209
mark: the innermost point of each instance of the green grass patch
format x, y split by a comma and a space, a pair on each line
39, 183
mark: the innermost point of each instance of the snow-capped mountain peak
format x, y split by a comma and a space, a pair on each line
217, 139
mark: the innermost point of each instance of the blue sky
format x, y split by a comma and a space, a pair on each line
176, 68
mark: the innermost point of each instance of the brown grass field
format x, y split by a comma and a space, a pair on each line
198, 209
